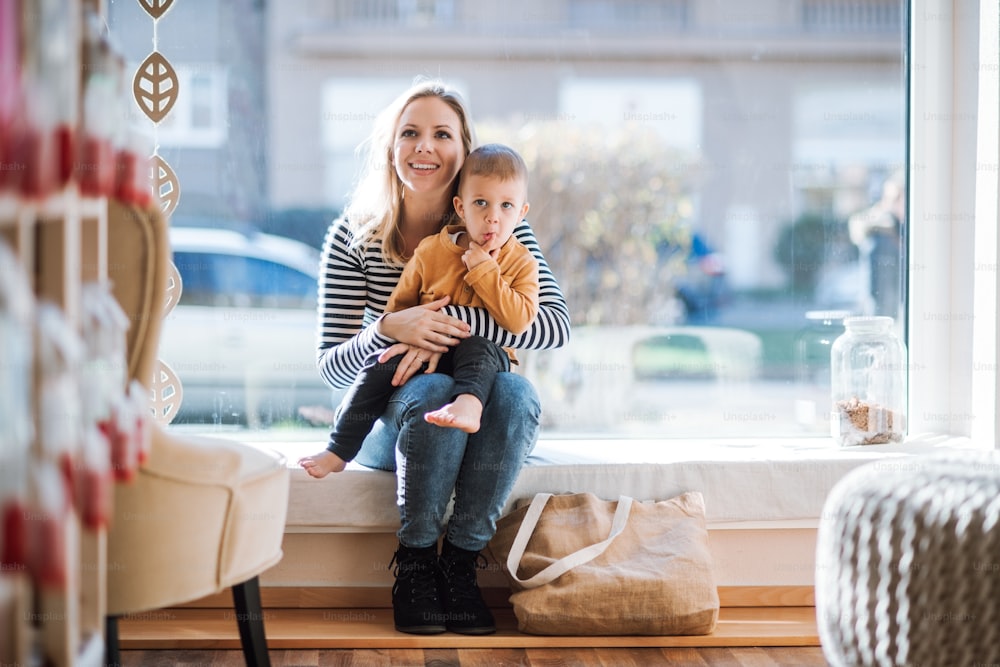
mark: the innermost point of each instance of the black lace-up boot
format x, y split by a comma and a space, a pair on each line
467, 613
416, 602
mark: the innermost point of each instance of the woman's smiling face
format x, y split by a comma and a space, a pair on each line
427, 150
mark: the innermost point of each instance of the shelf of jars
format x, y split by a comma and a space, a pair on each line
65, 415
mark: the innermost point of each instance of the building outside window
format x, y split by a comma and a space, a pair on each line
695, 168
200, 117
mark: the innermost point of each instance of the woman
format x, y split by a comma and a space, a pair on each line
416, 149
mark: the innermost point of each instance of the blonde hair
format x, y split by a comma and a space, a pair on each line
494, 161
374, 207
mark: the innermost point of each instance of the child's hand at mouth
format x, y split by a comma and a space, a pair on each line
476, 255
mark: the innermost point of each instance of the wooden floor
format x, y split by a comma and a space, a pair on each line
496, 657
204, 633
372, 628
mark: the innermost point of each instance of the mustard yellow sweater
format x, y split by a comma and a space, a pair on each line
506, 286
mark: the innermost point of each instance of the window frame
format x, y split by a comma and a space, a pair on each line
986, 289
952, 307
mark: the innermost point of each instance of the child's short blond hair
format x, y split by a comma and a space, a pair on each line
496, 161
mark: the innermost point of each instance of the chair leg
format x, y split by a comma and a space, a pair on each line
112, 653
250, 620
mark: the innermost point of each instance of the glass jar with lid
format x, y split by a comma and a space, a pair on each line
868, 383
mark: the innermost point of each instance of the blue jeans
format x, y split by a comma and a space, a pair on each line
474, 362
432, 462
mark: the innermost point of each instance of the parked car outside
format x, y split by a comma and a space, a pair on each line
242, 337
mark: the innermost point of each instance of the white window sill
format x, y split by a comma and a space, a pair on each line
748, 483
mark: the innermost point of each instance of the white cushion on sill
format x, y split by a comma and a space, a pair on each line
743, 480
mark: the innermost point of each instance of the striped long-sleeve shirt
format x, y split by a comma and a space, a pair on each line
354, 287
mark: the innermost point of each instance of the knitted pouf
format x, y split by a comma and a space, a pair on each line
908, 563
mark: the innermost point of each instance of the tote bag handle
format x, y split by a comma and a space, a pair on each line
568, 562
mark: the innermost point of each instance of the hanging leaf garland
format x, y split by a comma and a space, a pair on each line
156, 8
165, 185
175, 285
166, 393
155, 87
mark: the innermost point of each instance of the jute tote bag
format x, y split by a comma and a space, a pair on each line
579, 565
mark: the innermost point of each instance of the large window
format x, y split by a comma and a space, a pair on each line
696, 168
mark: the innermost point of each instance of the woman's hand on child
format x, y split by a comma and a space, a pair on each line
432, 361
425, 326
412, 362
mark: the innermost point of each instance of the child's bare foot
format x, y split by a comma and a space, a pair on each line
463, 413
322, 464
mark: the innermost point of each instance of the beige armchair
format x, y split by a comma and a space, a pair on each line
201, 514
